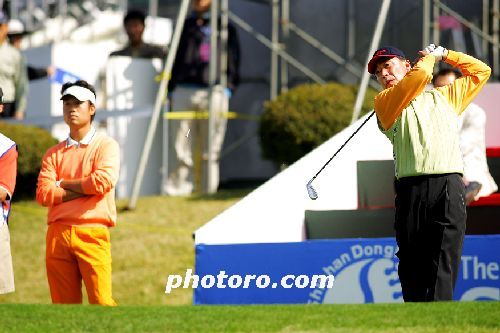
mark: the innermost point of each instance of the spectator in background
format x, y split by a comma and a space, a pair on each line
77, 183
190, 91
16, 33
13, 74
134, 24
471, 125
8, 171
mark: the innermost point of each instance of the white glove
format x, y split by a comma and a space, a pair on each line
436, 51
439, 53
429, 49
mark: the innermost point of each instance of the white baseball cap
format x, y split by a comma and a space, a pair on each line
80, 93
16, 27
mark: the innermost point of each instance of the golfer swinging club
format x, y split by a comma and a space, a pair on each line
422, 127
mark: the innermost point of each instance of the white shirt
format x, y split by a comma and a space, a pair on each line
85, 141
471, 125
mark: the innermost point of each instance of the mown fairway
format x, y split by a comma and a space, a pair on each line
156, 240
148, 244
411, 318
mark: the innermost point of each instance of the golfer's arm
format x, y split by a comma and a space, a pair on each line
72, 185
70, 195
465, 89
390, 102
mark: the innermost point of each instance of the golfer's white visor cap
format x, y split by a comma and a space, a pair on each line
80, 93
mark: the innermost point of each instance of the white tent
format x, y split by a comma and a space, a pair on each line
274, 212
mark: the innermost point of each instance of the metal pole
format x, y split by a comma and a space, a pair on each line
276, 46
486, 26
328, 52
160, 98
13, 10
224, 35
472, 26
212, 78
435, 25
30, 8
285, 19
153, 8
426, 18
351, 29
63, 11
46, 10
496, 20
377, 34
264, 40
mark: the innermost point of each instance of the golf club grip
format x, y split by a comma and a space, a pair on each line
353, 134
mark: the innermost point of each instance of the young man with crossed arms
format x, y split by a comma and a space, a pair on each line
422, 126
77, 182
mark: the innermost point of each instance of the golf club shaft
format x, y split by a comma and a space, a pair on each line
353, 134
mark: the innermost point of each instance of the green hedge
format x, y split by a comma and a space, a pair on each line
306, 116
32, 143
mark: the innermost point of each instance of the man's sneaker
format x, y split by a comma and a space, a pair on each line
471, 190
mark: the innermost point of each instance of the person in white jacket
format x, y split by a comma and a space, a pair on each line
471, 125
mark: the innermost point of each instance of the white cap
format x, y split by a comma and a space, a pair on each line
16, 27
80, 93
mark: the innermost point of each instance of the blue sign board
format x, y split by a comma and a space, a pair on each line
364, 271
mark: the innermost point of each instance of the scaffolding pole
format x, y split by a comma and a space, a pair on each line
425, 22
224, 36
471, 26
377, 34
435, 24
351, 29
285, 19
264, 40
486, 25
496, 20
328, 52
160, 99
274, 51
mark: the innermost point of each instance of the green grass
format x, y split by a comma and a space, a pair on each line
148, 244
154, 241
415, 318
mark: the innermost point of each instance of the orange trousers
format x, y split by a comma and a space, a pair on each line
76, 253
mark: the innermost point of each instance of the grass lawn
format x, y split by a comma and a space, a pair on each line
466, 317
156, 240
148, 244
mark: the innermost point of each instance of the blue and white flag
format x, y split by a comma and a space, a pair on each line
61, 76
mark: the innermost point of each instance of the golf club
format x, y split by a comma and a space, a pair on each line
310, 189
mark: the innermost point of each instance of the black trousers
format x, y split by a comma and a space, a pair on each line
430, 228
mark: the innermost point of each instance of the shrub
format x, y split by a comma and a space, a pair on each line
32, 143
306, 116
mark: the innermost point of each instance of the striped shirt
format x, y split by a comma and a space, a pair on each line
422, 124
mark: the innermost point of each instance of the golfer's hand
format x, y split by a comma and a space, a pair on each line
437, 51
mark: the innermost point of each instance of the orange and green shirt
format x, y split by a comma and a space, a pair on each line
422, 124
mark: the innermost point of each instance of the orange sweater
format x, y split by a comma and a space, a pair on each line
97, 166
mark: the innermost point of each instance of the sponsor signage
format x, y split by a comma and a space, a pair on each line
365, 271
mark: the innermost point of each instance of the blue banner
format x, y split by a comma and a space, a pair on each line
364, 270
